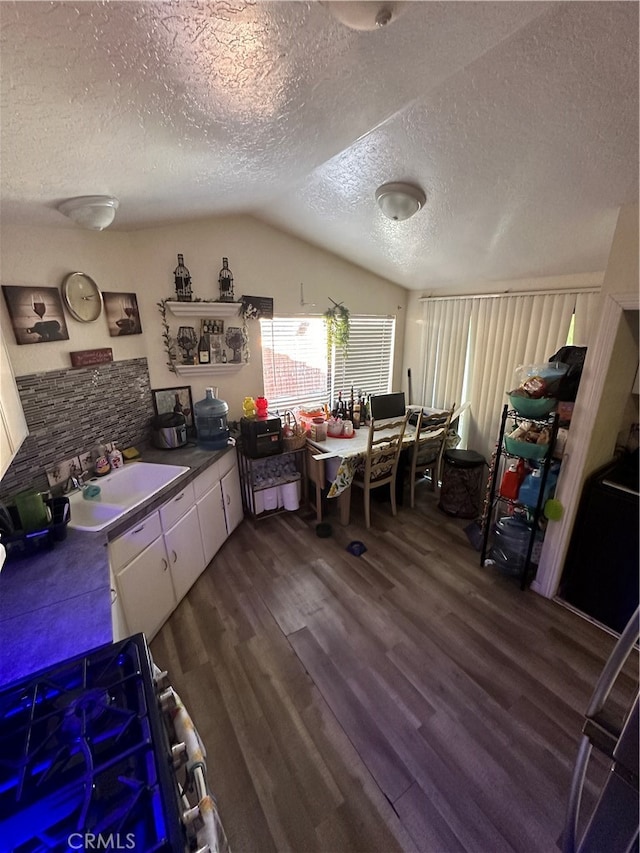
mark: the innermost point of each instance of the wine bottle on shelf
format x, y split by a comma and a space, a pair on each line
351, 404
216, 350
223, 357
204, 349
182, 278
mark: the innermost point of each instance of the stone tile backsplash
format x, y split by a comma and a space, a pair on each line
67, 411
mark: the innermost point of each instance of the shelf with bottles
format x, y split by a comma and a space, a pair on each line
206, 369
225, 347
224, 310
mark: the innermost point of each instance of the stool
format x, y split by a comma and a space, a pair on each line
462, 483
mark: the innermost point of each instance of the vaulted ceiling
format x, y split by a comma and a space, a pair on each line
519, 121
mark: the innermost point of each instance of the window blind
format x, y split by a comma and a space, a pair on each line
369, 361
298, 370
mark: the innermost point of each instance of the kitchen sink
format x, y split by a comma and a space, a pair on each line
120, 492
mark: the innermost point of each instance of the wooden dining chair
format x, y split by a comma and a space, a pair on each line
380, 465
428, 447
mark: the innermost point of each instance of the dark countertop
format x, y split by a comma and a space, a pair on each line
57, 603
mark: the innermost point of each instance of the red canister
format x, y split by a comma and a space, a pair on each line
511, 480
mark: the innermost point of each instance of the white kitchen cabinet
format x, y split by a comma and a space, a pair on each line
213, 526
177, 506
219, 502
157, 561
123, 549
232, 499
146, 590
13, 426
119, 628
184, 551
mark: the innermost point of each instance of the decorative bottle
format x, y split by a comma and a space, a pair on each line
225, 280
182, 278
204, 349
115, 458
100, 459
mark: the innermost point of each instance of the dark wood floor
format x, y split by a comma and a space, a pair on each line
402, 700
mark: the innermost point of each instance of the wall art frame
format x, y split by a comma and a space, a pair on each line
123, 316
36, 314
167, 399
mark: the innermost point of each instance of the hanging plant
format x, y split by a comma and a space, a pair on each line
169, 344
337, 322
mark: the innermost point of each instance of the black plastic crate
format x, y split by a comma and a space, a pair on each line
21, 544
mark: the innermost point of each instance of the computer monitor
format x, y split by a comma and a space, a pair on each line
387, 405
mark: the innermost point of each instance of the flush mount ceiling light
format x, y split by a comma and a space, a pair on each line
95, 212
363, 14
400, 201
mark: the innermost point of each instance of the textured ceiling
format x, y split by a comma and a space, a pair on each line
519, 120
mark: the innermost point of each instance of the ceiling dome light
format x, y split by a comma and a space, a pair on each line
400, 201
364, 14
95, 212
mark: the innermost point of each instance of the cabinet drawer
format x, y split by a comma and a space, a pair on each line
177, 506
123, 549
227, 462
204, 482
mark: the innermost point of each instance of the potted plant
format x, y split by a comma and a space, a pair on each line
336, 319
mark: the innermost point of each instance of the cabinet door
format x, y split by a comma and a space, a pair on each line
213, 526
184, 549
177, 506
146, 591
13, 426
232, 497
123, 549
118, 622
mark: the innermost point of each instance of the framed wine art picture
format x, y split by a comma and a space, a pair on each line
122, 313
174, 400
36, 314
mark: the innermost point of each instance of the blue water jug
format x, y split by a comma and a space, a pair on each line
210, 416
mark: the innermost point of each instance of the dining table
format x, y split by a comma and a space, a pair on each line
336, 460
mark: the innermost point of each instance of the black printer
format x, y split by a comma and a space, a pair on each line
261, 436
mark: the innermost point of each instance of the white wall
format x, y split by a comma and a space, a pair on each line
264, 262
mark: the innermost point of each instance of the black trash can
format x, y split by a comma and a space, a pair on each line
463, 481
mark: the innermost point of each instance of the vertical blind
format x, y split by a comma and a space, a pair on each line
298, 369
471, 347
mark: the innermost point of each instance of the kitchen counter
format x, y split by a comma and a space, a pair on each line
57, 603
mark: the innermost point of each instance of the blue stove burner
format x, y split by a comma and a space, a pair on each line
83, 753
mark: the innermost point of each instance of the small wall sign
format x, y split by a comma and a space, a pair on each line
87, 357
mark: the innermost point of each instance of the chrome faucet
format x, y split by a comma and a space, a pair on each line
76, 481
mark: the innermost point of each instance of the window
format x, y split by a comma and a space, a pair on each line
298, 371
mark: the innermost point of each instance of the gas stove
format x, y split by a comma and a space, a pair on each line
86, 760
